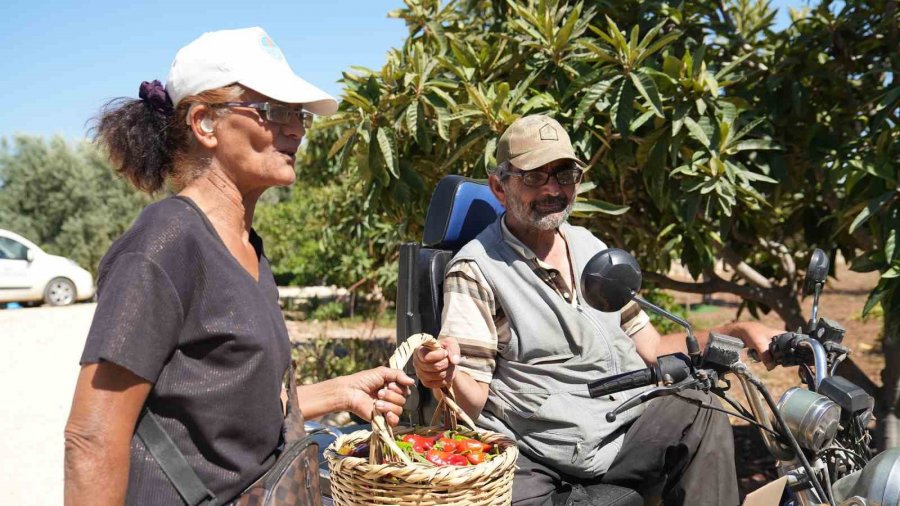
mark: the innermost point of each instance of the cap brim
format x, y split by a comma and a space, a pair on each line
292, 89
540, 157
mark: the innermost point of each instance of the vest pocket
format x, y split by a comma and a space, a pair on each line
556, 358
523, 404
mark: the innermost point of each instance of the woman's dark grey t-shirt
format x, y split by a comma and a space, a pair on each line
177, 309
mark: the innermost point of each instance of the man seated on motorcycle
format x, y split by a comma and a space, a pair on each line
520, 347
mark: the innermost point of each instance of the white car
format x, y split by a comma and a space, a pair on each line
28, 274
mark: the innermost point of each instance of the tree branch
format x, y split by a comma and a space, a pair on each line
744, 269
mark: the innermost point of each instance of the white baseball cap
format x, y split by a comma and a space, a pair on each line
249, 57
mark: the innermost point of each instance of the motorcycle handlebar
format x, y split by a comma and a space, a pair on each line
622, 382
669, 369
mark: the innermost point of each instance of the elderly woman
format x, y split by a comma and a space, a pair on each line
187, 321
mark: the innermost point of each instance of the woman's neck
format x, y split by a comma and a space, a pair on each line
221, 200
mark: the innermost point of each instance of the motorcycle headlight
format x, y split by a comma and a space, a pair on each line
812, 418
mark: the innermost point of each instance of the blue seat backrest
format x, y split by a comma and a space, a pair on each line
460, 209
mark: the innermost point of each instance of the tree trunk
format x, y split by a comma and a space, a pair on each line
890, 393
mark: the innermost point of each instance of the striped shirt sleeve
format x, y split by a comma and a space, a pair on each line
468, 316
633, 318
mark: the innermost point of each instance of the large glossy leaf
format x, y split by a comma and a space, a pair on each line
647, 88
872, 207
587, 206
623, 107
696, 131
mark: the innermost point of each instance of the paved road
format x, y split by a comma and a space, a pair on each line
36, 385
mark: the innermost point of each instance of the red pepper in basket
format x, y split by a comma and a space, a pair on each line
442, 458
420, 443
473, 445
450, 445
475, 457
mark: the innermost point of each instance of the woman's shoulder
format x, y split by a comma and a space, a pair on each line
163, 229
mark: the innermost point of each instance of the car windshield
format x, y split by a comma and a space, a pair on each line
12, 250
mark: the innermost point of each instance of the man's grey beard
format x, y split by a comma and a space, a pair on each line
536, 219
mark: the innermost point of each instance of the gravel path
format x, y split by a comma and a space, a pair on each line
37, 382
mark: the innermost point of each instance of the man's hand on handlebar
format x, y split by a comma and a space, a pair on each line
436, 368
756, 337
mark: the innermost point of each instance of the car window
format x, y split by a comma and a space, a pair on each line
12, 250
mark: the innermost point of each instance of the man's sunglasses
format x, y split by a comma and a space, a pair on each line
566, 176
274, 113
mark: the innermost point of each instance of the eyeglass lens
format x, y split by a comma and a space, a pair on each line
283, 115
563, 177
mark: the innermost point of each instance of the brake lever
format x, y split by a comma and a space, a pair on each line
653, 393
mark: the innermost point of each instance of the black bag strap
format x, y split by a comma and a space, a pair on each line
172, 462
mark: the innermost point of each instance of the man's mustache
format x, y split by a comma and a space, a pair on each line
554, 201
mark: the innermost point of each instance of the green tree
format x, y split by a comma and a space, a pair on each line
64, 197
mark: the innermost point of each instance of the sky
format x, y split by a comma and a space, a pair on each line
61, 60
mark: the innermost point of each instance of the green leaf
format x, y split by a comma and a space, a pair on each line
586, 186
591, 96
672, 66
651, 34
412, 117
565, 33
620, 43
696, 131
890, 245
747, 128
731, 66
697, 59
875, 296
348, 147
659, 45
465, 143
341, 142
623, 107
678, 116
754, 145
637, 123
647, 88
872, 207
387, 151
589, 206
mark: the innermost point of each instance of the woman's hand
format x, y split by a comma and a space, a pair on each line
436, 368
381, 388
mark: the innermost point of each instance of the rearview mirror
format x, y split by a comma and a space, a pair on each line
817, 272
29, 255
610, 280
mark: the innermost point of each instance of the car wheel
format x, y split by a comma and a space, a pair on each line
59, 292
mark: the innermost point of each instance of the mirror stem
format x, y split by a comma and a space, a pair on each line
815, 309
693, 347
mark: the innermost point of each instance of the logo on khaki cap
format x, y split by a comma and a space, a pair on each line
534, 141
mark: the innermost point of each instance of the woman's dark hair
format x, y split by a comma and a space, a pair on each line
149, 144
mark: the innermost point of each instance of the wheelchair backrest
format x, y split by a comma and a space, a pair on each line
459, 210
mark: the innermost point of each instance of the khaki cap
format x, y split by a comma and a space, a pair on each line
534, 141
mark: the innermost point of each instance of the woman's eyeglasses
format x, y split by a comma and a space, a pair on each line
274, 113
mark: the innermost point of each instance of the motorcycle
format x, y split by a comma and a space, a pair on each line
817, 433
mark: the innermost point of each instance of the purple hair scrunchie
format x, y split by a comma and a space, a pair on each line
155, 95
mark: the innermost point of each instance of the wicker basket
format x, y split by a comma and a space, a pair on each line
361, 482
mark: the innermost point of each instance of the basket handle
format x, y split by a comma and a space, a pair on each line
446, 404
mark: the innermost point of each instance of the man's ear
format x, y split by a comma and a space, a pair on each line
201, 120
497, 188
